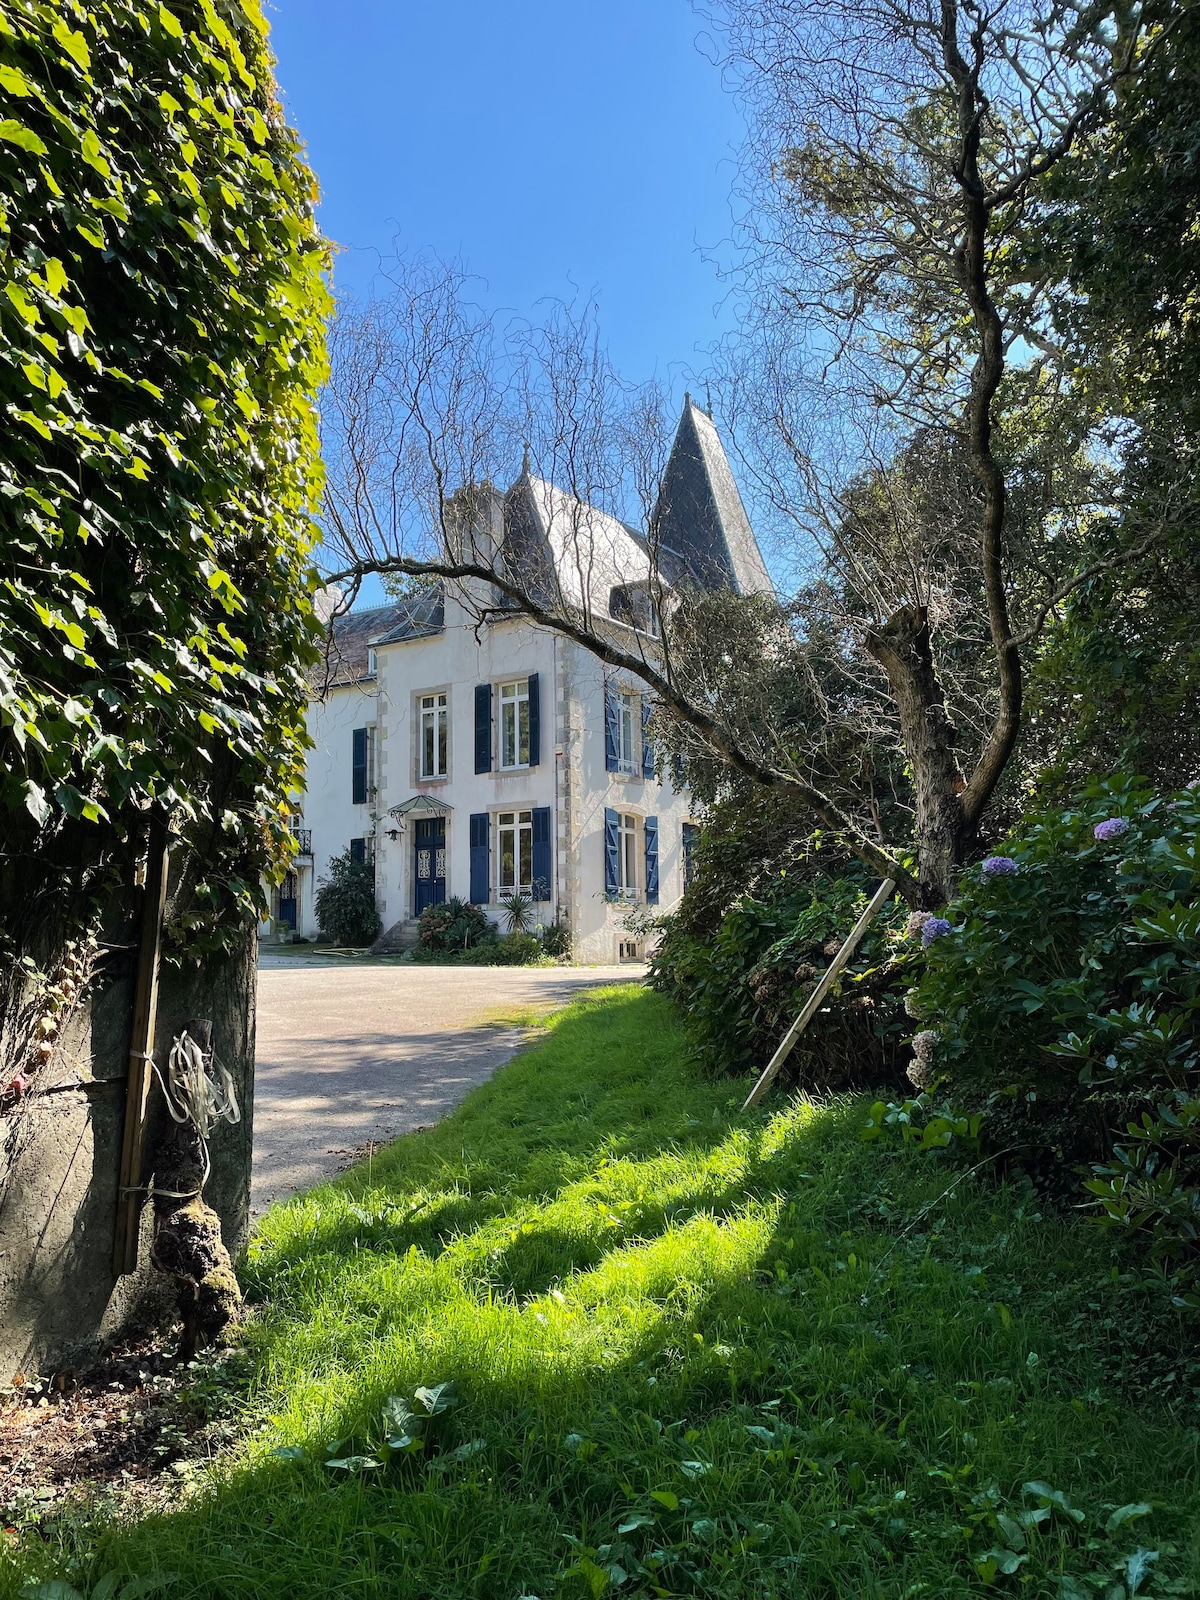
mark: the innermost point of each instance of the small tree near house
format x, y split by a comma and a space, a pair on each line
346, 908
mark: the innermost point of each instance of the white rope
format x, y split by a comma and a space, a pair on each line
194, 1097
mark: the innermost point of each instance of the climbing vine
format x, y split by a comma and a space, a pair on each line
161, 341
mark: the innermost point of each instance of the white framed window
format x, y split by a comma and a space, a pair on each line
627, 853
514, 724
629, 753
515, 829
371, 662
435, 735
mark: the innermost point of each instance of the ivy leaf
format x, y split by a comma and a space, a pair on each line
15, 82
36, 803
16, 133
73, 43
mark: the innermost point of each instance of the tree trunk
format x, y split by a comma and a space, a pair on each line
944, 834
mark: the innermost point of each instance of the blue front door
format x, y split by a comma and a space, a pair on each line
430, 848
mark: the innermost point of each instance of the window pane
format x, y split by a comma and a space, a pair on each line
507, 858
524, 741
508, 735
427, 747
526, 855
443, 734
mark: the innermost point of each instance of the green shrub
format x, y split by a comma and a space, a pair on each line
515, 950
346, 908
740, 989
556, 941
1062, 1001
454, 925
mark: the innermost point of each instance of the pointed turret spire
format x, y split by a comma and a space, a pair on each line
700, 523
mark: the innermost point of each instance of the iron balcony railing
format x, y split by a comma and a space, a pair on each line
303, 841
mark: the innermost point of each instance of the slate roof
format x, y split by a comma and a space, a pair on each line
561, 546
550, 534
700, 524
347, 656
417, 617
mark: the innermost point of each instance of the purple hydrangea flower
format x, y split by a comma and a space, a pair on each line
920, 1068
1000, 867
1112, 828
934, 929
915, 926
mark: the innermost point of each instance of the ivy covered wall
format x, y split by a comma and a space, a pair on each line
162, 306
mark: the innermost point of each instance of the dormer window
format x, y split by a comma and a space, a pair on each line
633, 604
371, 661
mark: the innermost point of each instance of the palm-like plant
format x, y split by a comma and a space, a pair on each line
518, 912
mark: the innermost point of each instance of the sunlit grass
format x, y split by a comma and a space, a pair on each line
695, 1353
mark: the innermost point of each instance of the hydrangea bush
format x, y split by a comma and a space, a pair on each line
739, 989
1064, 994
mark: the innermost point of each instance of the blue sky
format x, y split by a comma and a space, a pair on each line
555, 148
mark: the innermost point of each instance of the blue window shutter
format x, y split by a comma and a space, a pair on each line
650, 828
541, 853
483, 727
358, 852
535, 732
358, 768
612, 858
480, 862
647, 746
612, 735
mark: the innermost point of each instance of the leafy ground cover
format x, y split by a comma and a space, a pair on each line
598, 1334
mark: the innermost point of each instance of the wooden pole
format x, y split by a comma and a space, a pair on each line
141, 1046
882, 895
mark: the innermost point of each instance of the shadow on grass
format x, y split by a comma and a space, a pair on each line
694, 1354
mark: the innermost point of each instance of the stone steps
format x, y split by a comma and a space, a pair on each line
399, 937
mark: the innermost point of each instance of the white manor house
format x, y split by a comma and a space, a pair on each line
478, 758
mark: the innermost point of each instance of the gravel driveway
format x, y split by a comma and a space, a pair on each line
351, 1053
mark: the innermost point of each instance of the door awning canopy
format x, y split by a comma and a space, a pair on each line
427, 803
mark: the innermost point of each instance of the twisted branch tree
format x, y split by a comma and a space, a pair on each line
893, 174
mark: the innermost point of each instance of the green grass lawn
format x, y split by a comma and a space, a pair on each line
693, 1353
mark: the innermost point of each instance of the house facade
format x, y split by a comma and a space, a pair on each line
468, 752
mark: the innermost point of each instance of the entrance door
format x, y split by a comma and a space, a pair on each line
287, 901
430, 847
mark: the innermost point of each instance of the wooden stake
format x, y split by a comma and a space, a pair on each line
141, 1044
882, 895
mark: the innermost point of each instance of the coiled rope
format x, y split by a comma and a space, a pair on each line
196, 1098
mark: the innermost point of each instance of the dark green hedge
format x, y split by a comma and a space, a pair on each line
161, 342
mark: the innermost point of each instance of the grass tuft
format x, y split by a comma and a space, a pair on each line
691, 1353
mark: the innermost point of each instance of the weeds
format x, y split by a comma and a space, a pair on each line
691, 1354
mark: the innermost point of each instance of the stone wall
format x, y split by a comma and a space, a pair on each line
60, 1156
